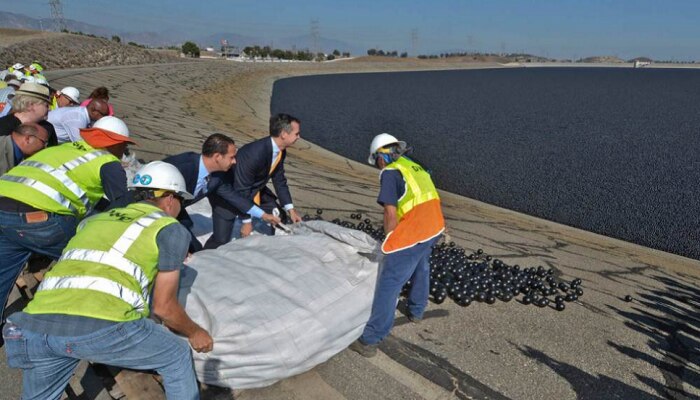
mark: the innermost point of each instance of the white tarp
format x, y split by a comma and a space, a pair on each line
277, 306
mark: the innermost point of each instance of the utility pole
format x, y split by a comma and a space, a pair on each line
315, 36
414, 42
57, 15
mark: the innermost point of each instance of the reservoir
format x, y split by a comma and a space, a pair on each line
608, 150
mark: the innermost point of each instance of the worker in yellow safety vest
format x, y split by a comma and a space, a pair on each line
413, 222
44, 197
94, 304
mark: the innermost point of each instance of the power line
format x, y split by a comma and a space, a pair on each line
414, 42
57, 15
315, 36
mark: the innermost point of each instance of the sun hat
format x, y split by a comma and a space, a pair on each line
34, 90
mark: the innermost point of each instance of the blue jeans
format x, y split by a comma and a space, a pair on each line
19, 239
48, 362
396, 270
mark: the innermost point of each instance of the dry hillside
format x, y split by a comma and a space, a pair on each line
62, 50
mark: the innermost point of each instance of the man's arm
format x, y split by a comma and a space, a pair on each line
235, 200
113, 179
390, 218
172, 243
167, 308
279, 181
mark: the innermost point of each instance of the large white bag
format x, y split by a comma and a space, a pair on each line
277, 306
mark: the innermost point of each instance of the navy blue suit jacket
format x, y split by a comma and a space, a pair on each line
250, 175
188, 165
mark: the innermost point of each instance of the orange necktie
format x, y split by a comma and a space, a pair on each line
256, 199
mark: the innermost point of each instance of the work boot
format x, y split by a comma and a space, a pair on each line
365, 350
414, 319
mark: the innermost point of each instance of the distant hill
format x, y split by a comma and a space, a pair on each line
172, 37
20, 21
63, 50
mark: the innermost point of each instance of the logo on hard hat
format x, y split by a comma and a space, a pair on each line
144, 180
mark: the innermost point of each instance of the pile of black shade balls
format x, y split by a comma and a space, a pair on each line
477, 277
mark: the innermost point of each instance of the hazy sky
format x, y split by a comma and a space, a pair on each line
558, 28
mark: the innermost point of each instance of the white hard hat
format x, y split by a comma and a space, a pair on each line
71, 93
379, 141
18, 66
112, 124
107, 131
161, 175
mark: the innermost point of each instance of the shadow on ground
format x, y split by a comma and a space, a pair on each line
588, 386
669, 317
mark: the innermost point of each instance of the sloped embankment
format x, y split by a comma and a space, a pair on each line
60, 51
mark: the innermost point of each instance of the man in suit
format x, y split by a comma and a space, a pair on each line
204, 174
258, 163
25, 141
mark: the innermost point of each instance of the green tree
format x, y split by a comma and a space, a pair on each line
116, 38
190, 50
277, 53
372, 52
336, 52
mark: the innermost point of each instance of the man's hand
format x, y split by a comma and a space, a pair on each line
201, 341
246, 229
271, 219
294, 216
167, 308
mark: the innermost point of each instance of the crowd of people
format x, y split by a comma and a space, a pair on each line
111, 297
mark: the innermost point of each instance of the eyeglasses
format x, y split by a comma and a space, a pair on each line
44, 142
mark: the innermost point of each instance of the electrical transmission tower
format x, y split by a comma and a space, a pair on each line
315, 36
57, 15
414, 42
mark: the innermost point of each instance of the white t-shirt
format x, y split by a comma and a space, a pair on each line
68, 121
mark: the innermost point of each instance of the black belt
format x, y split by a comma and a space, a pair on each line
12, 205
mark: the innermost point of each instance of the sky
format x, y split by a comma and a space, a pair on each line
664, 30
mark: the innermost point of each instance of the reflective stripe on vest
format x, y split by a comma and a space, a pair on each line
60, 172
62, 177
113, 258
103, 285
43, 188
